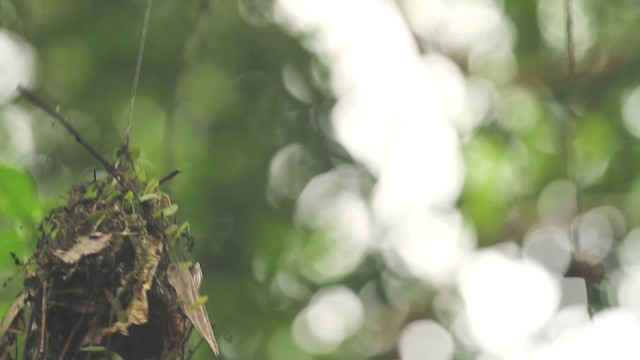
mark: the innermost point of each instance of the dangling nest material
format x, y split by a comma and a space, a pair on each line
110, 277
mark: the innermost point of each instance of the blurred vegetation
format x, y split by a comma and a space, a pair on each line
236, 113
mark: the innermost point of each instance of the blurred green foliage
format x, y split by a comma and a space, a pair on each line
20, 211
235, 114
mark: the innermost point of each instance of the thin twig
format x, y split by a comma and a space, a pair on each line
143, 38
37, 101
170, 175
71, 335
570, 88
27, 331
5, 350
571, 57
193, 351
43, 324
186, 63
570, 123
184, 343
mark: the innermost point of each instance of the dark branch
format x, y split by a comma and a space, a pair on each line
570, 48
37, 101
170, 176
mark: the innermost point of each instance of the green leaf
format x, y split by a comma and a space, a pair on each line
91, 192
186, 266
140, 174
94, 348
152, 186
129, 195
196, 304
99, 348
114, 195
134, 151
171, 229
149, 196
11, 242
95, 216
184, 227
168, 211
46, 227
116, 305
54, 233
18, 196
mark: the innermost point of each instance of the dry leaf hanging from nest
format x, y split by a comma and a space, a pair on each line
85, 245
186, 281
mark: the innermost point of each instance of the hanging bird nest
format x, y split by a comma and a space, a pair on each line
111, 276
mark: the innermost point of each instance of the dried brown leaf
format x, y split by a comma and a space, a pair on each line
148, 252
16, 306
85, 245
187, 286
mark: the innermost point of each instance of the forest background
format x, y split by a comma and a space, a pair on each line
366, 179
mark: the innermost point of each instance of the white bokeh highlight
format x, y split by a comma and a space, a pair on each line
629, 251
395, 115
397, 112
332, 201
574, 292
17, 144
550, 246
400, 112
612, 334
594, 235
462, 27
295, 84
557, 204
432, 248
508, 301
628, 292
289, 172
631, 111
628, 279
551, 20
425, 339
17, 65
568, 319
332, 315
